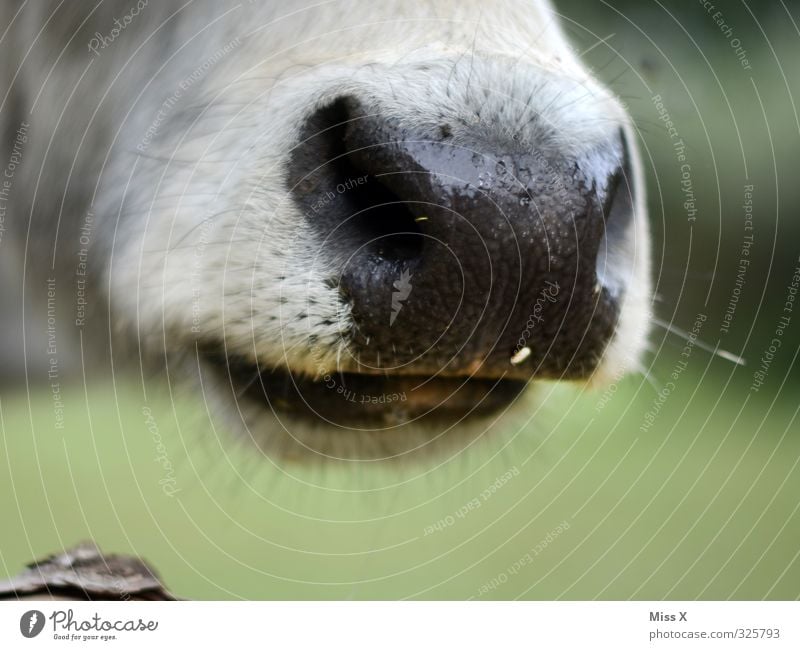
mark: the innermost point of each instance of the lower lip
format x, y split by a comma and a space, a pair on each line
367, 402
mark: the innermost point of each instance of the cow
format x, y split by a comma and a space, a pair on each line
353, 229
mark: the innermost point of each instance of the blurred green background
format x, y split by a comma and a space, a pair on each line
702, 504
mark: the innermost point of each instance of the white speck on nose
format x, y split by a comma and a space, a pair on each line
520, 356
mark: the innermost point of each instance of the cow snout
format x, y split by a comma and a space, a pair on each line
464, 249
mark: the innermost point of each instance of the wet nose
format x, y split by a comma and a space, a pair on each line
461, 249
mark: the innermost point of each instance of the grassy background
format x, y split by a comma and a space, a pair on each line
703, 505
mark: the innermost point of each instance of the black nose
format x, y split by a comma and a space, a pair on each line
462, 247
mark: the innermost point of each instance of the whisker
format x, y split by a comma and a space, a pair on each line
339, 357
240, 393
723, 354
650, 347
601, 41
648, 377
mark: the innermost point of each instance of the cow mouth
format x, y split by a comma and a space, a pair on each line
370, 401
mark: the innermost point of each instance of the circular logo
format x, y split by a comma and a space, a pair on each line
31, 623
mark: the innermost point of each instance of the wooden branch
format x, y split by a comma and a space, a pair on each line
84, 573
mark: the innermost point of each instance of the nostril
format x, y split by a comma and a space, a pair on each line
381, 219
343, 199
618, 202
618, 208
